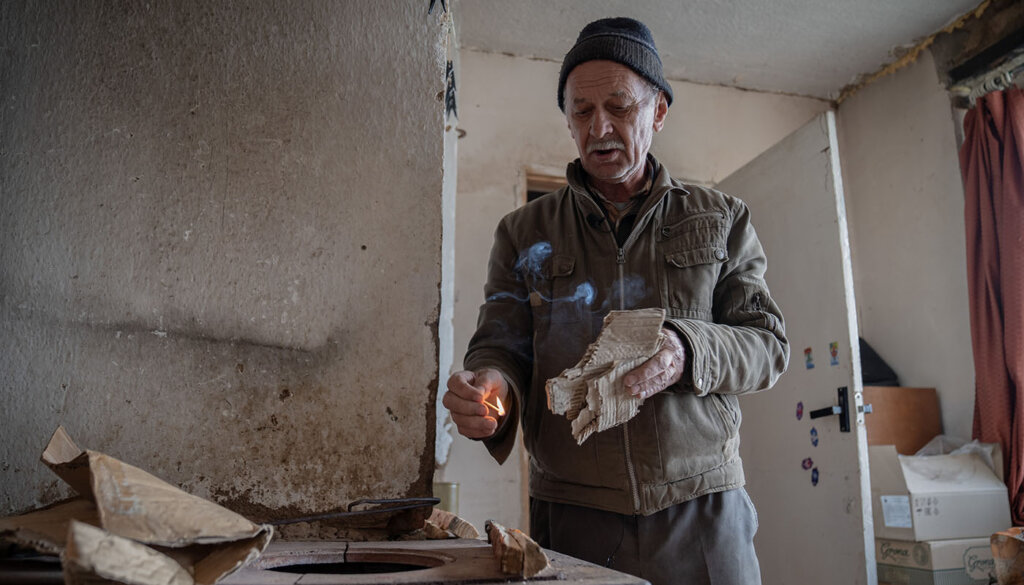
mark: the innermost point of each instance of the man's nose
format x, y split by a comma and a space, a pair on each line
600, 124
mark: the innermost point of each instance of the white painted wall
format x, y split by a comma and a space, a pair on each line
904, 198
220, 246
509, 112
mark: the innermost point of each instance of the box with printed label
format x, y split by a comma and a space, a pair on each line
935, 497
936, 562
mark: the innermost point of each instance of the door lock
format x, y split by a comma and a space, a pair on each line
842, 409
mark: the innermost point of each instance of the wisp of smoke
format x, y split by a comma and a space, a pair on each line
625, 294
531, 262
506, 295
584, 292
533, 258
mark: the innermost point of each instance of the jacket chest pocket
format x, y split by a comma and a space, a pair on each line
693, 253
558, 296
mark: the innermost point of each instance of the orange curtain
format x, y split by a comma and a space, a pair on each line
992, 163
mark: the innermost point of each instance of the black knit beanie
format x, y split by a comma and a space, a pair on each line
622, 40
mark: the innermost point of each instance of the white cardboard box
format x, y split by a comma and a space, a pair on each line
936, 497
936, 562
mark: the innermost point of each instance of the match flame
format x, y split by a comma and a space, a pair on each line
496, 406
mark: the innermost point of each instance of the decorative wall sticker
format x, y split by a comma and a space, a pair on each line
814, 436
807, 463
814, 476
808, 359
799, 410
833, 350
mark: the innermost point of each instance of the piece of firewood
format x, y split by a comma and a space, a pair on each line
517, 553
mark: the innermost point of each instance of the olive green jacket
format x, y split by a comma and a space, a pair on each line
556, 270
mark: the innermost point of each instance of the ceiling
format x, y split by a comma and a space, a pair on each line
804, 47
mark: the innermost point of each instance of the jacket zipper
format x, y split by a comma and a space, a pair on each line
620, 259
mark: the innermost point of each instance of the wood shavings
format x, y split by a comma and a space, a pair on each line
591, 393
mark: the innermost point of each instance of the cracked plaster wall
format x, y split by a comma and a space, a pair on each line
220, 245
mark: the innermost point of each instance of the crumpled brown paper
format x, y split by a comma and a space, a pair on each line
1008, 555
130, 519
449, 525
94, 555
516, 553
591, 393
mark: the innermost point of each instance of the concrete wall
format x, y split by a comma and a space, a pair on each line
904, 199
508, 110
220, 245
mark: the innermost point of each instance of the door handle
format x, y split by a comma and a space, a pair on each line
842, 409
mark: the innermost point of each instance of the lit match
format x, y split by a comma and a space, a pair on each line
497, 407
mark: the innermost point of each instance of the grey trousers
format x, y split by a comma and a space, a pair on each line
705, 541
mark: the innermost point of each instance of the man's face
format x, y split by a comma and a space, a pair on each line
613, 113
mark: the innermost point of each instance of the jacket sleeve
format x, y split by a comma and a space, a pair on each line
504, 338
744, 349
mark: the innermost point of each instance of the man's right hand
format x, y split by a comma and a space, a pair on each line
465, 398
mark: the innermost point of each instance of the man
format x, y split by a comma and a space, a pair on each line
661, 496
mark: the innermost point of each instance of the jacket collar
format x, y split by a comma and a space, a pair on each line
660, 185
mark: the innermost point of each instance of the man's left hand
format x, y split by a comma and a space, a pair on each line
661, 371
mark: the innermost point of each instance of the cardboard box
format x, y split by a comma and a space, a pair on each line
938, 497
905, 417
936, 562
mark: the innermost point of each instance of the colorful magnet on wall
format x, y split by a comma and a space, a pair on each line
799, 410
807, 463
833, 350
814, 476
808, 359
814, 436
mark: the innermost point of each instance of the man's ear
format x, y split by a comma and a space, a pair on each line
660, 112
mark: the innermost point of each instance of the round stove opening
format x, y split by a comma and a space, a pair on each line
353, 563
356, 568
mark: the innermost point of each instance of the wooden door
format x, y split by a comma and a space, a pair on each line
807, 478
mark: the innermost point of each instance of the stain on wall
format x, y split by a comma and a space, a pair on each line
220, 245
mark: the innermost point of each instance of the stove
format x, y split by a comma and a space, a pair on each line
406, 562
422, 562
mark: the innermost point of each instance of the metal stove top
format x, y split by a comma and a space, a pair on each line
441, 562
